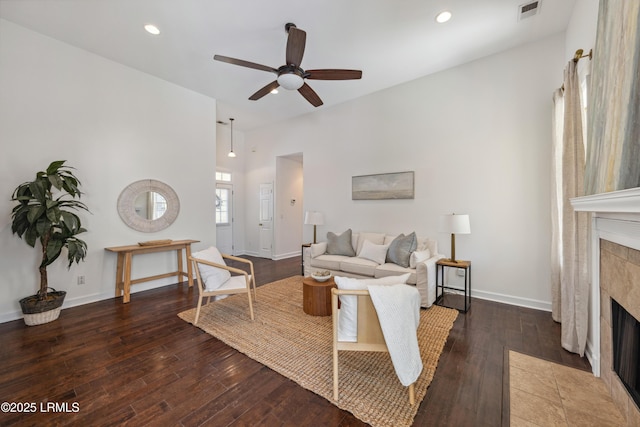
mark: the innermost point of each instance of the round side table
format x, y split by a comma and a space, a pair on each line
316, 296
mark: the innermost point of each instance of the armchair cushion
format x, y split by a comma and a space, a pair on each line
348, 318
340, 244
401, 248
213, 277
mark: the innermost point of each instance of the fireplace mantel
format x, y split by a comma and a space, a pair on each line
622, 201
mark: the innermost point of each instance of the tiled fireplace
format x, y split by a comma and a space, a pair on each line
615, 259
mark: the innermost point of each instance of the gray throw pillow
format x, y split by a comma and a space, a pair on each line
401, 248
340, 244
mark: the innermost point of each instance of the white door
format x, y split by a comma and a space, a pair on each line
224, 218
266, 220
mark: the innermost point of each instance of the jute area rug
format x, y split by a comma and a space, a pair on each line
299, 347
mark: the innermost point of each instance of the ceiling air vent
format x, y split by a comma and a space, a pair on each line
528, 10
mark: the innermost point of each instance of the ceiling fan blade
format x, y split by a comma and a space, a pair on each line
243, 63
310, 95
295, 46
330, 74
264, 91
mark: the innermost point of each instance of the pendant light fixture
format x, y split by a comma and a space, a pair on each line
231, 153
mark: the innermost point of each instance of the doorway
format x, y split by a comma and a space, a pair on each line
224, 218
266, 220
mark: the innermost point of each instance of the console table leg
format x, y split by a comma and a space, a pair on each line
189, 267
119, 271
127, 277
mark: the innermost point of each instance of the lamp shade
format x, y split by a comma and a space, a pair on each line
314, 218
455, 224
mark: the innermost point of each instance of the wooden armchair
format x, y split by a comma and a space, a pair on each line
369, 337
215, 279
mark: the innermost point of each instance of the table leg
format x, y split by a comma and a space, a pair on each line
119, 281
127, 277
189, 266
180, 271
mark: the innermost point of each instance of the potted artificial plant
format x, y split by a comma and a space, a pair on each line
46, 216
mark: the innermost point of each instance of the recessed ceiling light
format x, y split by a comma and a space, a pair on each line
152, 29
443, 17
274, 91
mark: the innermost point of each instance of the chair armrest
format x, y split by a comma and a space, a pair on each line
337, 291
222, 266
235, 258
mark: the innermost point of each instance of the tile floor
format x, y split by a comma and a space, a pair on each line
546, 394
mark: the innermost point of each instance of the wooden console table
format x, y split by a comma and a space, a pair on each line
125, 256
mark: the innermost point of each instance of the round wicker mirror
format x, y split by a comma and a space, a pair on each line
148, 205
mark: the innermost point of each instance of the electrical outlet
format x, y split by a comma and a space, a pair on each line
80, 280
460, 272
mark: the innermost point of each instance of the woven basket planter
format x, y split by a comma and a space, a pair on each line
39, 312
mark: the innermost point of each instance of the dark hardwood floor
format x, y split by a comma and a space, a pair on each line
139, 364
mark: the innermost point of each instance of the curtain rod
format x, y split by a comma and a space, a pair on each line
579, 55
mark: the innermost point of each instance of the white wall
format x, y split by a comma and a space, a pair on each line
477, 137
115, 125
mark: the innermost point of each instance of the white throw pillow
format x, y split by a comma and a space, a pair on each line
318, 249
375, 238
213, 277
348, 320
418, 256
373, 252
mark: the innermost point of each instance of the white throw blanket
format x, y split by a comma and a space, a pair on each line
398, 309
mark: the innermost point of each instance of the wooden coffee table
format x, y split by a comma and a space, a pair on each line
316, 296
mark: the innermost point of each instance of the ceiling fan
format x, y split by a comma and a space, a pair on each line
291, 76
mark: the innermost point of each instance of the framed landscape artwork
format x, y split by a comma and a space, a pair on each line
399, 185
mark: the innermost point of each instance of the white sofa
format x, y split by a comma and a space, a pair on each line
422, 266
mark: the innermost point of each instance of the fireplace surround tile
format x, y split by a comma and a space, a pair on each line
619, 279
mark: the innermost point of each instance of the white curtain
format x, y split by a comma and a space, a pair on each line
557, 123
570, 286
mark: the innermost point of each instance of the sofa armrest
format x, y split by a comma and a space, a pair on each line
426, 280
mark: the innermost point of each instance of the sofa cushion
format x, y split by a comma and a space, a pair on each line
328, 262
375, 238
419, 256
401, 248
390, 269
354, 240
360, 266
340, 244
426, 243
348, 319
318, 249
373, 252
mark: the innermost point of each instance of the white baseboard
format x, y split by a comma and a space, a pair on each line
509, 299
286, 255
88, 299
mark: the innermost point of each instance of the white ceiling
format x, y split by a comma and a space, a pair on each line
391, 41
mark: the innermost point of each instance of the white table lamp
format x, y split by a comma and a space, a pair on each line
454, 224
314, 218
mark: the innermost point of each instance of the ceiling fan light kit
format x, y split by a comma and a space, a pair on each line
291, 76
290, 81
